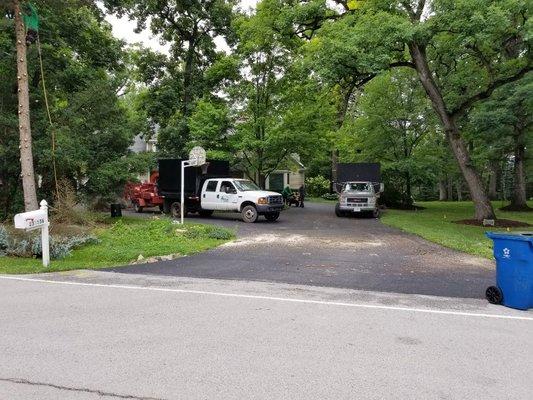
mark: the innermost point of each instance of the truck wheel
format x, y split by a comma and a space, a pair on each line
249, 214
338, 211
137, 208
376, 213
205, 213
494, 295
175, 210
271, 217
166, 206
161, 208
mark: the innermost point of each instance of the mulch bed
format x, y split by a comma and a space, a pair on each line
499, 223
514, 208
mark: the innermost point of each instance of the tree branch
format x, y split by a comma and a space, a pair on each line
465, 105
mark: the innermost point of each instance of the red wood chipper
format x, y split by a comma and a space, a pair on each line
142, 195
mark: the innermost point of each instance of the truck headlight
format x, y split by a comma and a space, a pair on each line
262, 200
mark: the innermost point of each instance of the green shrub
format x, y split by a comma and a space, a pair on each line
220, 234
4, 240
316, 186
208, 232
330, 196
30, 245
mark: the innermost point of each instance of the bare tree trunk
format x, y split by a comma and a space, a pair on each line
519, 199
443, 193
482, 205
26, 156
493, 181
334, 162
450, 188
459, 191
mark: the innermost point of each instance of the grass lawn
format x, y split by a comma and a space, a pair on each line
123, 242
435, 223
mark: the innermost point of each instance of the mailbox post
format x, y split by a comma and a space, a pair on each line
37, 219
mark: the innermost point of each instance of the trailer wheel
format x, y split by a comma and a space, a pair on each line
137, 208
175, 210
249, 214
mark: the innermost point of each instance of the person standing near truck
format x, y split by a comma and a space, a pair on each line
302, 195
287, 193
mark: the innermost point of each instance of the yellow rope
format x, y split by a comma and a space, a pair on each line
53, 136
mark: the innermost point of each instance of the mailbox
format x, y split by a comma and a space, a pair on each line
37, 219
31, 220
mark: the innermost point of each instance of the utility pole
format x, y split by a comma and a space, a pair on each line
26, 154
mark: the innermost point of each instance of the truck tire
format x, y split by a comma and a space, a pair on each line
205, 213
175, 210
249, 214
271, 217
338, 211
137, 208
166, 206
376, 213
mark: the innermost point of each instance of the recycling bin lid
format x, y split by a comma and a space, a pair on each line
522, 236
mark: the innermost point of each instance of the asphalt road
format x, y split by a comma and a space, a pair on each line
311, 246
97, 335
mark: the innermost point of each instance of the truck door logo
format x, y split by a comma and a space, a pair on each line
506, 253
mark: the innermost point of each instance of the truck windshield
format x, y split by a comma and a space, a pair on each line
357, 187
246, 186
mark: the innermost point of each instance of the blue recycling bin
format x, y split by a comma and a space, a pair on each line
514, 270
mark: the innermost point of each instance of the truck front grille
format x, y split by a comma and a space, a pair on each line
357, 200
275, 200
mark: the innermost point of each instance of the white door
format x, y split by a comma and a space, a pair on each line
228, 196
209, 195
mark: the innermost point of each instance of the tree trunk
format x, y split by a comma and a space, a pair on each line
493, 181
334, 162
408, 190
187, 78
459, 191
519, 199
443, 193
482, 205
450, 188
26, 156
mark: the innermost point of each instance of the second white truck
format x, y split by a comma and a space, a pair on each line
239, 195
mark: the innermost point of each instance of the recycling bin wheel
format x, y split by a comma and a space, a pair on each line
494, 295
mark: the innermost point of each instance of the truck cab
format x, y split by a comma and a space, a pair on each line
358, 197
239, 195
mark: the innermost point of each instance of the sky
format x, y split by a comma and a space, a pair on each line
124, 29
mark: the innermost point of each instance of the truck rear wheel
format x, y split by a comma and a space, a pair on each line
249, 214
271, 217
175, 210
137, 208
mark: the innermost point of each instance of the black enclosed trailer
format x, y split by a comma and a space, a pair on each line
359, 172
169, 183
366, 172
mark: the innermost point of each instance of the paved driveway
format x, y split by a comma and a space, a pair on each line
311, 246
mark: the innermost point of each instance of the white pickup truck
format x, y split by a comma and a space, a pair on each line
239, 195
358, 197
